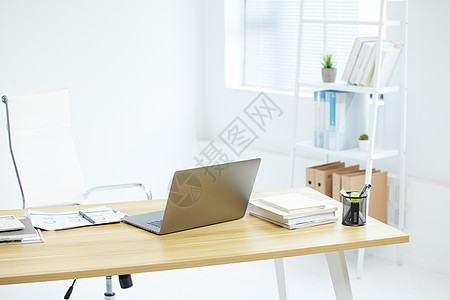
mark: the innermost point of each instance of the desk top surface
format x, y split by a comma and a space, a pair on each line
119, 248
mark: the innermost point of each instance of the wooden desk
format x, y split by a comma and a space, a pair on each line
119, 248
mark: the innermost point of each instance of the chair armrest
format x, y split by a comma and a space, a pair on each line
147, 191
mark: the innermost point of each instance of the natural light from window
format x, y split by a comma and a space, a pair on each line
268, 39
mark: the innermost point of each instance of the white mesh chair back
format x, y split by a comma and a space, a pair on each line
43, 150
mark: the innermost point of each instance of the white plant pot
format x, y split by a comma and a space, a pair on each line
329, 74
364, 145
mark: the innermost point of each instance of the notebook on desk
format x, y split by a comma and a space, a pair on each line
28, 232
203, 196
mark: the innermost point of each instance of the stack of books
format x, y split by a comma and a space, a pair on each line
292, 211
361, 62
27, 234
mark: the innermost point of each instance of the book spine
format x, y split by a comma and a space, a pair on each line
356, 64
365, 63
330, 136
316, 139
351, 59
368, 72
321, 119
340, 126
332, 96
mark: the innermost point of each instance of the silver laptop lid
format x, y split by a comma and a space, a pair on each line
209, 195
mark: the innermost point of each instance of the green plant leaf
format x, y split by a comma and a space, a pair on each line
363, 137
328, 60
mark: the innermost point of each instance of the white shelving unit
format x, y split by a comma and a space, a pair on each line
302, 147
349, 153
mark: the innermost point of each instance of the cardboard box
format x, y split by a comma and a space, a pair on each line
311, 174
323, 178
355, 188
378, 192
336, 181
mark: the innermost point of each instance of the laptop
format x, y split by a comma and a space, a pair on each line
203, 196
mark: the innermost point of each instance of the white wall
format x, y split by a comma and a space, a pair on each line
134, 74
427, 120
428, 104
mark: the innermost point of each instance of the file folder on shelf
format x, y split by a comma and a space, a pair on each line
336, 180
311, 174
323, 178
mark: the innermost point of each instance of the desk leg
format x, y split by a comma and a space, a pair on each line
339, 275
281, 279
360, 266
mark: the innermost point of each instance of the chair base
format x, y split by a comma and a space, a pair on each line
109, 294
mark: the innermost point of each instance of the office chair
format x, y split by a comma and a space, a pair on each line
44, 156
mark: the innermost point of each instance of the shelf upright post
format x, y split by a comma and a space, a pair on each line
325, 27
373, 119
403, 95
325, 44
296, 91
282, 291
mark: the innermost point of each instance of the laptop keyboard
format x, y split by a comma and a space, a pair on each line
155, 223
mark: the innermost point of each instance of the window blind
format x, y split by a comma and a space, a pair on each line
271, 36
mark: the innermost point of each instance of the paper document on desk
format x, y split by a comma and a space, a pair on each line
73, 219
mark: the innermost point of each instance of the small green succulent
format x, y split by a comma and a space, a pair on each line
363, 137
328, 60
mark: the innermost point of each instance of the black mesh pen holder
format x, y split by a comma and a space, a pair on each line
354, 209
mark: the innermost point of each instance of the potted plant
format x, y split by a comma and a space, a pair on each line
364, 142
328, 72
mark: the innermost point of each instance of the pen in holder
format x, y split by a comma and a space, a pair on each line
354, 209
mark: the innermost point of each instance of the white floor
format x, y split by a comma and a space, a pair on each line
307, 278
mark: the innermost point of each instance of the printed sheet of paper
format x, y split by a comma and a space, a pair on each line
72, 219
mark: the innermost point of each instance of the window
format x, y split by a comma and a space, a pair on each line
269, 36
270, 44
